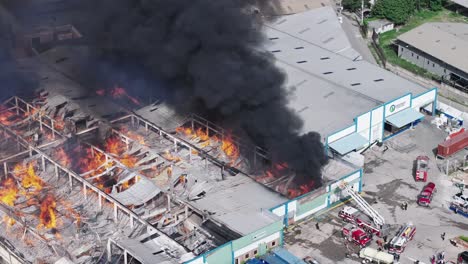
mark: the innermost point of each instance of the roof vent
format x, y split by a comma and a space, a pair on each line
281, 22
351, 69
322, 21
355, 84
275, 51
274, 38
454, 48
378, 80
299, 62
438, 40
299, 48
328, 40
326, 73
325, 58
304, 30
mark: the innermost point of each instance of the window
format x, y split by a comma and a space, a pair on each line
412, 54
433, 65
247, 256
255, 252
273, 243
427, 62
445, 70
402, 49
237, 261
417, 57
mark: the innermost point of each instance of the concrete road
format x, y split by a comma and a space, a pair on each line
359, 44
388, 181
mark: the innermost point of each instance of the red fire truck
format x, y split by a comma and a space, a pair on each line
352, 215
400, 241
425, 197
356, 235
422, 165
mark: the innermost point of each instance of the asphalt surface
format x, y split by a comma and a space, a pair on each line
388, 182
351, 28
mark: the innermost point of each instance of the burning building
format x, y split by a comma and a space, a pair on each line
114, 187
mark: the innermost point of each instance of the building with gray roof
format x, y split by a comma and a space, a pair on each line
440, 48
332, 90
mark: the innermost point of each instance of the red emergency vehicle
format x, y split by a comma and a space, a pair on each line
400, 241
356, 235
352, 215
422, 165
425, 197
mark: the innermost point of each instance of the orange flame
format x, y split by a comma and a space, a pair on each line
8, 221
8, 191
202, 135
59, 124
6, 117
230, 149
47, 217
167, 155
139, 138
28, 176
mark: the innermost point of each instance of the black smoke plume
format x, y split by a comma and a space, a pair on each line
13, 80
205, 56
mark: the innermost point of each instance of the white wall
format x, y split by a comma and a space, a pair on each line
423, 99
363, 124
341, 134
397, 105
255, 244
377, 126
337, 195
280, 211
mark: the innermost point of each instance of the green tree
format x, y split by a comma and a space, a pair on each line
435, 5
397, 11
354, 5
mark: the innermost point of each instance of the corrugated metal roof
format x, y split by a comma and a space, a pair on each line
442, 42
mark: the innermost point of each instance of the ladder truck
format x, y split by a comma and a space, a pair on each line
352, 215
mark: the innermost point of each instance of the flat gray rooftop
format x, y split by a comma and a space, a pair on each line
318, 26
447, 42
328, 90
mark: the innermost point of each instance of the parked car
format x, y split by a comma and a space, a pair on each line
425, 197
462, 258
422, 166
460, 198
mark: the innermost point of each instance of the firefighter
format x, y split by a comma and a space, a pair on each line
317, 226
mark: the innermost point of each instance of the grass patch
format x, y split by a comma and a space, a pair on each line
464, 238
386, 39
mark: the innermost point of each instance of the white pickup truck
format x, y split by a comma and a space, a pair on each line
372, 255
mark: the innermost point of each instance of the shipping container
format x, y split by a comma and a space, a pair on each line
453, 145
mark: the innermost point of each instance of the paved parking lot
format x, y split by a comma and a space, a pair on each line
388, 181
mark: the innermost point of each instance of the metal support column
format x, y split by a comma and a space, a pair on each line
115, 212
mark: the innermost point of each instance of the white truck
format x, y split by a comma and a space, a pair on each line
373, 255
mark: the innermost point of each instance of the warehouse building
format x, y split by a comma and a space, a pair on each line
351, 103
439, 48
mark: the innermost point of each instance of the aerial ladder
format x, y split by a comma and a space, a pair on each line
365, 206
